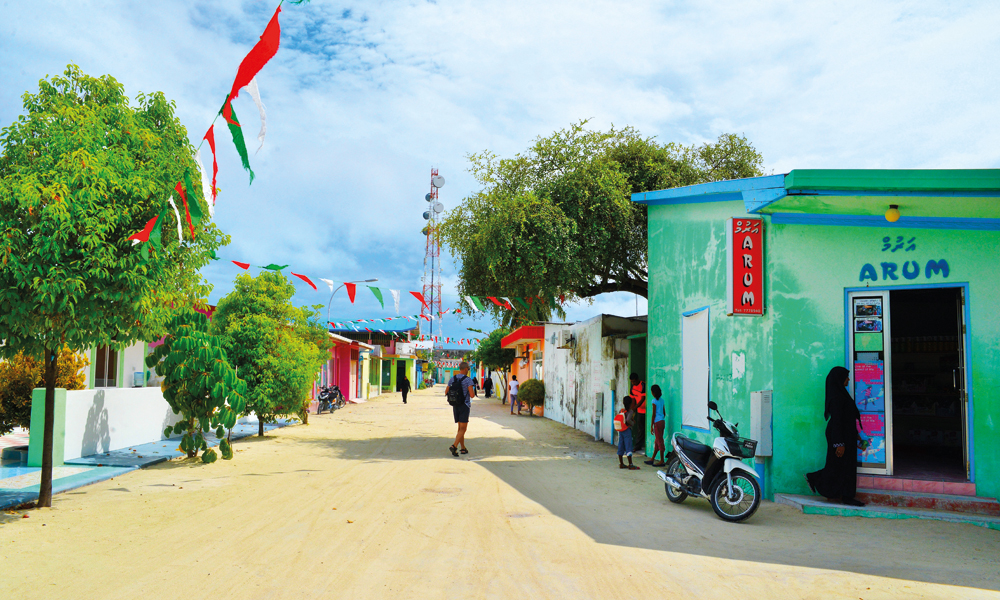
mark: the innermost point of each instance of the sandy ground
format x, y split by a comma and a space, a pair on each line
369, 503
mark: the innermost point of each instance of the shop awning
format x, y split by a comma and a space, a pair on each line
523, 335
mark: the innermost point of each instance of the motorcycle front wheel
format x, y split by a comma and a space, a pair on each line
675, 468
738, 504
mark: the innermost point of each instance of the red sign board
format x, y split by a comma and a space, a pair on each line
746, 266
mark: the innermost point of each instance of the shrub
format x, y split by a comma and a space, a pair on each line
532, 393
23, 373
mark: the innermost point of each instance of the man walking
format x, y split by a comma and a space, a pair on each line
405, 387
460, 393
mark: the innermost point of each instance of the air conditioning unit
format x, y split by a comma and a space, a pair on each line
566, 339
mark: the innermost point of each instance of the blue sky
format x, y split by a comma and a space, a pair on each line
364, 98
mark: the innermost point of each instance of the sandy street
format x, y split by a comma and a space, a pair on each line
368, 503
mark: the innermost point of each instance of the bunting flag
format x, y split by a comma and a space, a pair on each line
328, 282
395, 299
187, 208
254, 61
177, 213
241, 146
306, 279
205, 189
420, 297
210, 138
522, 302
495, 301
156, 236
143, 236
350, 290
255, 94
378, 294
241, 265
472, 304
274, 267
195, 211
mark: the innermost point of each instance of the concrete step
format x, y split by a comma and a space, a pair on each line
900, 484
815, 505
923, 501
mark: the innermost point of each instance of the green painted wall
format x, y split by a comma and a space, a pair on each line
802, 334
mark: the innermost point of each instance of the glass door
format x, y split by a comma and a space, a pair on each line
869, 339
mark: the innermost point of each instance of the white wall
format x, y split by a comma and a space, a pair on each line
574, 376
133, 358
113, 418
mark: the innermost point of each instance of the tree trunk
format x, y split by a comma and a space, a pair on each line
45, 486
260, 426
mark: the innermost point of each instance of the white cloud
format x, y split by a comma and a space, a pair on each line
364, 98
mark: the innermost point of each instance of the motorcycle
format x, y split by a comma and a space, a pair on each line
732, 486
330, 399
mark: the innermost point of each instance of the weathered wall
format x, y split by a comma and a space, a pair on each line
574, 376
802, 335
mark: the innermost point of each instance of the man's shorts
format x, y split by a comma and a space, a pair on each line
461, 413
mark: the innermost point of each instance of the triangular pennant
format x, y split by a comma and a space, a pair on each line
241, 145
255, 94
522, 302
274, 267
210, 138
180, 227
156, 236
254, 61
196, 214
206, 189
420, 297
328, 282
306, 279
378, 294
241, 265
143, 236
187, 209
395, 299
350, 290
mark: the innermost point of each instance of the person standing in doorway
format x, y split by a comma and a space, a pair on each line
488, 386
405, 387
838, 480
461, 384
513, 394
657, 427
638, 392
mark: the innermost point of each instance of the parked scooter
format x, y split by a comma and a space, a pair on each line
330, 399
732, 486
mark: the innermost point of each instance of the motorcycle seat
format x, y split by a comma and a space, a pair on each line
696, 450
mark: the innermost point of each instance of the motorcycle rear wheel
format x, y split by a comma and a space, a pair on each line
675, 468
742, 504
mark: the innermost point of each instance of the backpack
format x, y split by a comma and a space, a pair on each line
456, 393
620, 422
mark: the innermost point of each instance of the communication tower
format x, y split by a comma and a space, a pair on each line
432, 255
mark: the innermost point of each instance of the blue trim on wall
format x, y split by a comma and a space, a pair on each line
901, 194
968, 358
904, 222
694, 312
754, 200
688, 193
697, 199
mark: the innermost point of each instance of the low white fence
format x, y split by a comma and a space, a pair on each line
103, 420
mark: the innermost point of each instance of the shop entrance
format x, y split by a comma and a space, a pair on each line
400, 373
908, 378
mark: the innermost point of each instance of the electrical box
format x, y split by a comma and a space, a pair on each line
599, 404
138, 378
760, 421
565, 339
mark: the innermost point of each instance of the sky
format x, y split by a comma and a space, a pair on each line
364, 98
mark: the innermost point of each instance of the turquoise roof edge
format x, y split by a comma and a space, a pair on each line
756, 192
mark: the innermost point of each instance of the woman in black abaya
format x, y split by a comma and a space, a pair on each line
839, 478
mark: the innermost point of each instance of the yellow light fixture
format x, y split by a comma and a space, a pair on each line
892, 215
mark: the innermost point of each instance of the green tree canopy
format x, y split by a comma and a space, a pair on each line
80, 171
276, 347
559, 220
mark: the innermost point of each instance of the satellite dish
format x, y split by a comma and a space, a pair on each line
438, 207
437, 181
427, 215
428, 198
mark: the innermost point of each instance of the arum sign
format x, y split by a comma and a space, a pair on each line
745, 267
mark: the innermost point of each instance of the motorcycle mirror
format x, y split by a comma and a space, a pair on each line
713, 406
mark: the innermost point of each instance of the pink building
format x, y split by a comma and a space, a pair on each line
346, 368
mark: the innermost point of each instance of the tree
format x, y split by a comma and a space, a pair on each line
22, 373
558, 220
276, 347
532, 393
81, 171
495, 358
199, 384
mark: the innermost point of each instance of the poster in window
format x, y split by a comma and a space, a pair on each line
869, 386
873, 438
868, 325
867, 307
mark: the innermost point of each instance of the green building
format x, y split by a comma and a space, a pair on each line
765, 284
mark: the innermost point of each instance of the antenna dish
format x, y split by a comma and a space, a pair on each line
438, 207
437, 181
428, 198
427, 215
